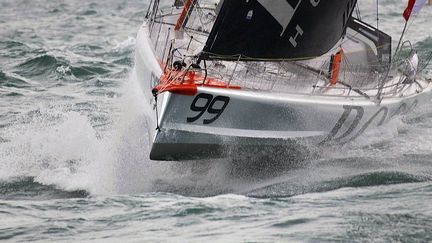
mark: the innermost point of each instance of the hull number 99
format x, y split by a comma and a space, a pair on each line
207, 103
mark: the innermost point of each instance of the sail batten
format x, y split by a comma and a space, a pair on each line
277, 29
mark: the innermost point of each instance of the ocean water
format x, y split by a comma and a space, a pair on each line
74, 159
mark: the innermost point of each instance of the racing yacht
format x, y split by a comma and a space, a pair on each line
234, 76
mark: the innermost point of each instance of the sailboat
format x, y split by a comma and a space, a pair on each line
234, 76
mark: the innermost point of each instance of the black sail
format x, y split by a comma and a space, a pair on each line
277, 29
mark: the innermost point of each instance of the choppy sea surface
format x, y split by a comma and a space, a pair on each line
74, 158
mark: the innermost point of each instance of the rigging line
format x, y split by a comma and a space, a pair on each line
185, 15
194, 39
199, 11
350, 66
148, 10
155, 8
187, 28
196, 8
426, 62
407, 26
358, 11
171, 80
377, 13
380, 90
400, 39
194, 5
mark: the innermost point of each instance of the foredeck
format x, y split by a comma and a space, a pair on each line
311, 76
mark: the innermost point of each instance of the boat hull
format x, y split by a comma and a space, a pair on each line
188, 128
219, 122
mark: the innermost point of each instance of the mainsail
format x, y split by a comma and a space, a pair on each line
277, 29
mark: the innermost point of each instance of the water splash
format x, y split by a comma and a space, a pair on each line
56, 147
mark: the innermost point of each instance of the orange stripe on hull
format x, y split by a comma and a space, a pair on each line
179, 82
183, 89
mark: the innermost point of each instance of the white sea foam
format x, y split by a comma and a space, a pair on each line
129, 42
65, 151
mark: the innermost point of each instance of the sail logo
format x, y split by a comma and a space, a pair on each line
283, 12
